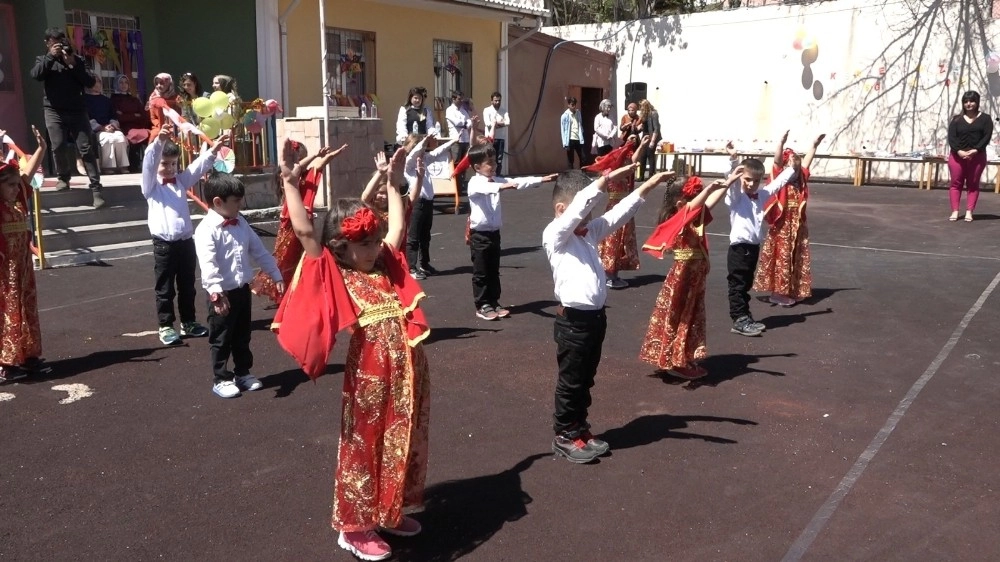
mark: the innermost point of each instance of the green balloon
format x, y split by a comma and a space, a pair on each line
211, 127
202, 107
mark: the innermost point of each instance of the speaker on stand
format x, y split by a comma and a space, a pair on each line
635, 92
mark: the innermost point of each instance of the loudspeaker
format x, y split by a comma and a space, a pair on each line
635, 92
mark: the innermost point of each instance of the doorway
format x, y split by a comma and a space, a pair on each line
590, 106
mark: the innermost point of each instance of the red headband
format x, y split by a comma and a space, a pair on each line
787, 154
692, 187
359, 226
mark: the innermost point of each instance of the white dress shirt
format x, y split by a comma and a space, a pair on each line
604, 131
169, 217
493, 116
227, 254
746, 215
577, 272
433, 166
458, 122
484, 199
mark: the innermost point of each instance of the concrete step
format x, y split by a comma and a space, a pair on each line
62, 218
78, 256
84, 237
84, 197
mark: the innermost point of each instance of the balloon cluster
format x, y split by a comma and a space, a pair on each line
214, 113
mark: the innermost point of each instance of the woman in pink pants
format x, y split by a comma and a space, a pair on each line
968, 134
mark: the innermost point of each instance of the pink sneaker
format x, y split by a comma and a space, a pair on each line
689, 373
781, 300
366, 545
407, 527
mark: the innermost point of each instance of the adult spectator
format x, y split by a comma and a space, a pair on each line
164, 95
650, 119
604, 130
63, 74
571, 130
459, 125
496, 121
190, 91
414, 116
968, 135
114, 145
132, 118
630, 125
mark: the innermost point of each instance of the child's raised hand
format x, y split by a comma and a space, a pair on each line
731, 148
339, 151
661, 177
396, 165
623, 172
39, 139
819, 140
381, 164
735, 175
290, 169
550, 177
421, 168
784, 137
165, 133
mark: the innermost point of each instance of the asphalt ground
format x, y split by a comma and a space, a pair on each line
861, 426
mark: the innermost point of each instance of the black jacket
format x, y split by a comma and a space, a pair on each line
63, 85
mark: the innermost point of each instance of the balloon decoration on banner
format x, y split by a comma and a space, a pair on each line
220, 100
202, 107
249, 117
227, 121
993, 62
226, 160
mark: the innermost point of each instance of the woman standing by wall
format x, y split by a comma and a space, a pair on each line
968, 135
414, 116
650, 119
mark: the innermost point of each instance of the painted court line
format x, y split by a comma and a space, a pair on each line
826, 511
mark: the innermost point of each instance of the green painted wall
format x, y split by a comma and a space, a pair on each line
174, 41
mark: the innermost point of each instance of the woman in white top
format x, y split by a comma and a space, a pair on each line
604, 130
414, 117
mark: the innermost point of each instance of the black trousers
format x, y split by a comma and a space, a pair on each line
174, 266
579, 336
499, 146
418, 238
458, 151
575, 147
647, 164
61, 125
485, 247
229, 335
741, 261
602, 150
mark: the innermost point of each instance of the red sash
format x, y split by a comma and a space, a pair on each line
663, 238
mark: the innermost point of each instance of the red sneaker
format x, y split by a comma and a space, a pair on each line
366, 545
407, 527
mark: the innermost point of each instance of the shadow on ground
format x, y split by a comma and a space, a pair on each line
722, 368
461, 515
286, 382
646, 430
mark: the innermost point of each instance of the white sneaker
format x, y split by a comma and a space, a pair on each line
226, 389
248, 382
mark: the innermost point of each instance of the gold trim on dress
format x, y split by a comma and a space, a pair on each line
683, 254
15, 227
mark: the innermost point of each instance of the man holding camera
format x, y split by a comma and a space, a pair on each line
64, 75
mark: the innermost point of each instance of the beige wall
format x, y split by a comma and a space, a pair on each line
404, 40
886, 76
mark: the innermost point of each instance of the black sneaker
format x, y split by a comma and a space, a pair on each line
744, 326
418, 275
429, 269
10, 373
575, 450
598, 445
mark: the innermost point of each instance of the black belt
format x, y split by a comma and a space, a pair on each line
571, 313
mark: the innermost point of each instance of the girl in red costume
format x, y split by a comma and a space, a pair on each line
619, 251
675, 340
20, 331
354, 276
287, 248
785, 266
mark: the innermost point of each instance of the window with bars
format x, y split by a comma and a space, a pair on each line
350, 62
452, 70
111, 45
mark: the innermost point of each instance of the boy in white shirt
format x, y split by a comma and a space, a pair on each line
746, 199
496, 121
459, 126
227, 250
170, 225
485, 221
570, 243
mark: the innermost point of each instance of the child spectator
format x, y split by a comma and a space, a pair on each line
570, 243
571, 131
227, 248
170, 225
485, 221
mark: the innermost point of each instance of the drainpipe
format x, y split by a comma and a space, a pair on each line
325, 139
283, 26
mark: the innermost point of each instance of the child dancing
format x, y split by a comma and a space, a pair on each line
785, 267
570, 243
619, 251
354, 276
675, 340
287, 248
20, 330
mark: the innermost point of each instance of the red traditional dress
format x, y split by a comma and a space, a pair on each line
676, 334
619, 250
382, 461
287, 247
785, 267
20, 331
